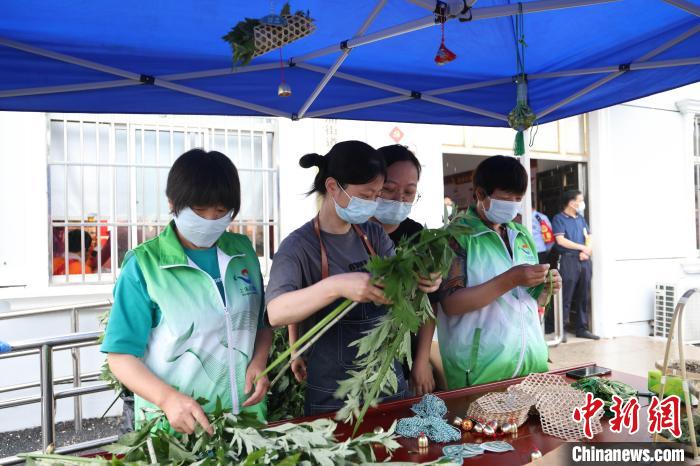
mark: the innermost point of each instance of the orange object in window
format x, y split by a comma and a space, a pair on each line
74, 266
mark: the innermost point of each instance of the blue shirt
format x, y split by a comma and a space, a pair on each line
537, 231
572, 228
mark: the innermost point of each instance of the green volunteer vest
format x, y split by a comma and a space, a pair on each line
504, 339
202, 346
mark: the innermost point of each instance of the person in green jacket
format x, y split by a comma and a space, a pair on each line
188, 315
489, 328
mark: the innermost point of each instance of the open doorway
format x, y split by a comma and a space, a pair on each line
549, 180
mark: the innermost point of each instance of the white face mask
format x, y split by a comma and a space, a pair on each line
358, 210
199, 231
581, 208
392, 212
502, 211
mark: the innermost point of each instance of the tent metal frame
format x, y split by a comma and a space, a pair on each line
456, 10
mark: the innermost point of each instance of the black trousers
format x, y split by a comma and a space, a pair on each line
576, 286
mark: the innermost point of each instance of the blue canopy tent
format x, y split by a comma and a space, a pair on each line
367, 60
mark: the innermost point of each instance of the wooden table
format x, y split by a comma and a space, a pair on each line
530, 435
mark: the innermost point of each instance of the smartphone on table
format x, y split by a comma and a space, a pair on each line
589, 371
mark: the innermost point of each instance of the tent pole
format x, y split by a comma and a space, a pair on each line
68, 59
222, 71
466, 87
220, 98
582, 92
527, 204
356, 79
474, 14
339, 61
646, 57
358, 106
636, 66
465, 108
69, 88
685, 5
137, 78
408, 94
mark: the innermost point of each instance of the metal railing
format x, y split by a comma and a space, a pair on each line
75, 350
558, 309
48, 395
45, 348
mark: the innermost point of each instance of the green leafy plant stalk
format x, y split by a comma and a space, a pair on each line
390, 340
237, 440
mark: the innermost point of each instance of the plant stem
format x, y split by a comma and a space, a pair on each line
304, 338
312, 341
390, 356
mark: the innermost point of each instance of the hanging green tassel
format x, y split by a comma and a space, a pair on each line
521, 118
519, 144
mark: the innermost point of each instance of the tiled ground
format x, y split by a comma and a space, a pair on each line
635, 355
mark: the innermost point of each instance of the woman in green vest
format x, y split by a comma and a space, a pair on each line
188, 312
489, 329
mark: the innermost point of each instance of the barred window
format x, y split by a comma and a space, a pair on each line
107, 188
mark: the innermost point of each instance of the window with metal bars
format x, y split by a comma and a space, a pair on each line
106, 184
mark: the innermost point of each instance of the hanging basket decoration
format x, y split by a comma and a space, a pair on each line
521, 117
253, 37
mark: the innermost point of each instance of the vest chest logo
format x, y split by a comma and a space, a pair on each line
525, 249
245, 284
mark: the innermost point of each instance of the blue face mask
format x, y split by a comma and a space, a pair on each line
502, 211
358, 210
392, 212
199, 231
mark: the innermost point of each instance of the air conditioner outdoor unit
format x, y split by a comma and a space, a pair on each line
667, 296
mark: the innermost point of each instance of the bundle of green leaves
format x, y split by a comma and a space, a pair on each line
390, 340
237, 440
605, 389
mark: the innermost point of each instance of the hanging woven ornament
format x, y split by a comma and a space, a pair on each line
253, 37
521, 117
443, 55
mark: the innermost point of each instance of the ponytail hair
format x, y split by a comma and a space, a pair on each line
348, 162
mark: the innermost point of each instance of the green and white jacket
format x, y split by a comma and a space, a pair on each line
202, 346
504, 339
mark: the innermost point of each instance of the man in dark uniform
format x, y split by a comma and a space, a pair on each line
573, 239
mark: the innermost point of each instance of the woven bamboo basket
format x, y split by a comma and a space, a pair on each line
269, 37
502, 407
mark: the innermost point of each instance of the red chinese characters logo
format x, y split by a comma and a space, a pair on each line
587, 412
624, 415
665, 415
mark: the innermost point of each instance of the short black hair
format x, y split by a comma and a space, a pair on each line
74, 240
569, 196
201, 178
398, 153
348, 162
501, 172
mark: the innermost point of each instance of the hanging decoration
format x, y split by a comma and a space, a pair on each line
443, 55
253, 37
284, 89
521, 117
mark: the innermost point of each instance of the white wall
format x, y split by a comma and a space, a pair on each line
24, 271
297, 138
642, 207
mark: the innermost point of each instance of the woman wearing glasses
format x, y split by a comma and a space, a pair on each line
399, 194
323, 262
